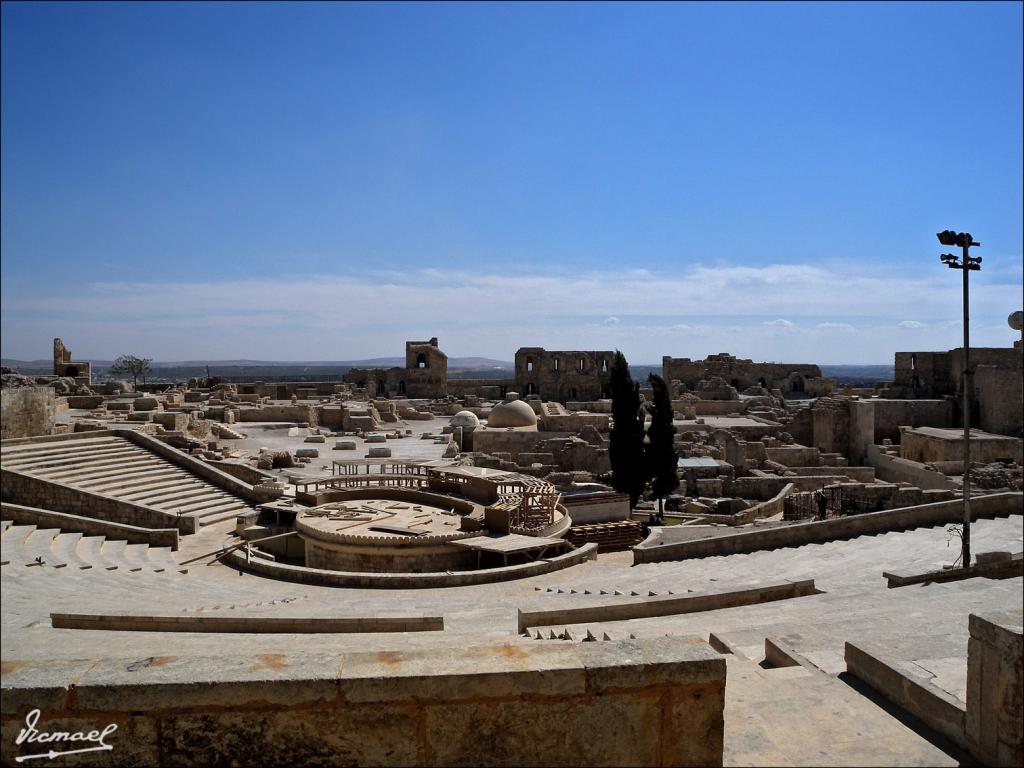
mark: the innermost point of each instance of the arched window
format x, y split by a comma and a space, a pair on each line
401, 387
604, 365
529, 364
555, 363
583, 364
421, 361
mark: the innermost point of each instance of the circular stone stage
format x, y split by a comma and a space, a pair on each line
459, 519
396, 530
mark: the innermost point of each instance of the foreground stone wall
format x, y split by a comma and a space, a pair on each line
26, 411
995, 689
652, 702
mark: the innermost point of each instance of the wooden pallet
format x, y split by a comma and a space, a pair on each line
607, 536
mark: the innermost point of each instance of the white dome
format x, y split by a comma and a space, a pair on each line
513, 413
465, 419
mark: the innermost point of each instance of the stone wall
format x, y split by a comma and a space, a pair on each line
45, 518
26, 411
917, 445
995, 689
1000, 400
743, 374
651, 702
893, 469
431, 580
563, 375
600, 507
279, 413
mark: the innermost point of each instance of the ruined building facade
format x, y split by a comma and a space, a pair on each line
563, 376
63, 365
425, 374
997, 391
743, 374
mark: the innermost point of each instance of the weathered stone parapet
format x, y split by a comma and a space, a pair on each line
995, 689
651, 702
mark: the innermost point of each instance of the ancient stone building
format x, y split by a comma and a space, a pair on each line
563, 376
743, 374
997, 390
63, 365
425, 374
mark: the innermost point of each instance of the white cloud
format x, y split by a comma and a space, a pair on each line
835, 327
697, 311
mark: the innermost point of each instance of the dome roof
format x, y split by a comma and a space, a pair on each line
465, 419
512, 413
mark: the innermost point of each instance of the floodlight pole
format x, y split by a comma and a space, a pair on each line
965, 559
966, 263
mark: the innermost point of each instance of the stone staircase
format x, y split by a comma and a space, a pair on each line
26, 546
554, 409
114, 466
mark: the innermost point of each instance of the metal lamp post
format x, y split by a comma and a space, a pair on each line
966, 264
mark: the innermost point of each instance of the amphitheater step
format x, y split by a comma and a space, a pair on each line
104, 456
151, 484
65, 550
221, 516
114, 553
36, 548
130, 466
117, 467
175, 498
89, 552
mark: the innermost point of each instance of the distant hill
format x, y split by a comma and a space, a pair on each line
373, 362
276, 370
858, 375
458, 368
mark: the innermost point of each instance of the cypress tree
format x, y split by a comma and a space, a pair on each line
660, 450
626, 440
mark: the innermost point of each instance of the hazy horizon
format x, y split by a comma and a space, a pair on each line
325, 181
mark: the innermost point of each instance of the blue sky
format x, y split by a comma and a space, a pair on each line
325, 181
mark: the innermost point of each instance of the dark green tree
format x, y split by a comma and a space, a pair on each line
136, 366
660, 454
626, 440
